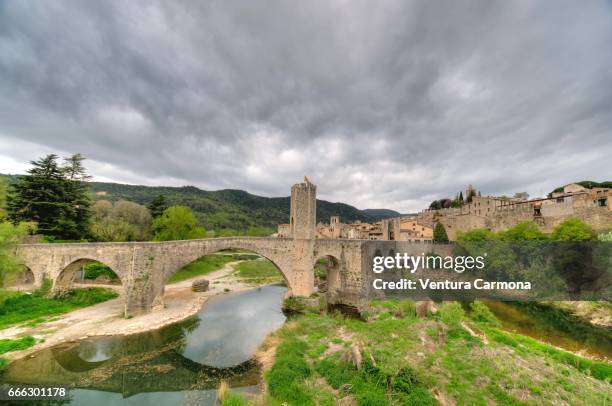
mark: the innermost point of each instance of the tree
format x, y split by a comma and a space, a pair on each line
477, 234
3, 195
74, 169
122, 221
10, 235
439, 234
48, 197
78, 192
461, 197
157, 206
573, 229
527, 231
177, 223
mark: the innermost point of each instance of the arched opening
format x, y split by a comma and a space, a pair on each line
84, 273
96, 273
20, 281
223, 271
327, 274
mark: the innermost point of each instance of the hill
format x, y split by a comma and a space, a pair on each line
589, 184
381, 213
228, 208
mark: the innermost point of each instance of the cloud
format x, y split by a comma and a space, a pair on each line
387, 106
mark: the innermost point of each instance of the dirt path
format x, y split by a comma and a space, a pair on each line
107, 318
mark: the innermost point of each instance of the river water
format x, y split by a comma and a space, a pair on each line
176, 365
183, 364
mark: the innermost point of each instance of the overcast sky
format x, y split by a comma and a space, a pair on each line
381, 103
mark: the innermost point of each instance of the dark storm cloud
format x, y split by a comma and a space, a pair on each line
387, 104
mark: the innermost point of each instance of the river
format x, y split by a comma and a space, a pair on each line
176, 365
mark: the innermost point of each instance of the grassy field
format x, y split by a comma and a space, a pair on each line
202, 266
258, 272
407, 360
17, 308
9, 344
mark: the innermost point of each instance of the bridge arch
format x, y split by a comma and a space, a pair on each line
218, 246
327, 267
22, 280
65, 278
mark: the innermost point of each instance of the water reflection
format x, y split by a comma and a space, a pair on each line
179, 364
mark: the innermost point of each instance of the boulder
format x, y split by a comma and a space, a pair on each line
200, 285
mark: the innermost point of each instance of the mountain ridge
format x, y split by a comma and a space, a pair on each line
230, 208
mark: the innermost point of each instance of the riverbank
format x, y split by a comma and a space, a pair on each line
394, 357
106, 319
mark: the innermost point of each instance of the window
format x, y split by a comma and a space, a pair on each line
602, 202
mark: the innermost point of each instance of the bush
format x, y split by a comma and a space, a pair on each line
481, 313
478, 234
573, 229
95, 269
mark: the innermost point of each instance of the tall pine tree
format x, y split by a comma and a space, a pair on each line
158, 206
47, 196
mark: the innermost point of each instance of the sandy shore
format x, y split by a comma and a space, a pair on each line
107, 318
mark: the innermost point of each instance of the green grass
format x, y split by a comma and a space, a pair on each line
258, 272
406, 360
234, 400
9, 344
597, 369
16, 308
202, 266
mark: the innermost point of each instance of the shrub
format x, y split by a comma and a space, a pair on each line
481, 313
573, 229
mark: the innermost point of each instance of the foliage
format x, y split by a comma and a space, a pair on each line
589, 184
527, 231
201, 266
605, 236
158, 206
231, 209
477, 234
320, 268
177, 223
10, 235
55, 197
17, 308
3, 196
94, 270
573, 229
120, 221
439, 234
16, 344
481, 313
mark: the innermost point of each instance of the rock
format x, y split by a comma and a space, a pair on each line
200, 285
424, 307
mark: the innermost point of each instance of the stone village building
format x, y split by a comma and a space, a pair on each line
593, 206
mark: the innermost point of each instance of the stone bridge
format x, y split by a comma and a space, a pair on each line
145, 267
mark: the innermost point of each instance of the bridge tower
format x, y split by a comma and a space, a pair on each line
302, 222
